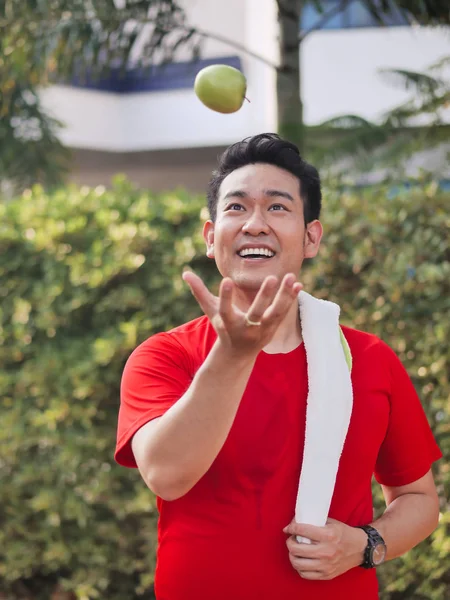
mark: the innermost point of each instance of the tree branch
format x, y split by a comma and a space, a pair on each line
286, 13
241, 47
200, 32
220, 38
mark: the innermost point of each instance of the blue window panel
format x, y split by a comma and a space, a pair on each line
173, 76
354, 15
360, 16
311, 16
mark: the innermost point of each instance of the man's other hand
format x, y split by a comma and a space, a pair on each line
334, 549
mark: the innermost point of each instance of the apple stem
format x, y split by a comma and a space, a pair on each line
246, 98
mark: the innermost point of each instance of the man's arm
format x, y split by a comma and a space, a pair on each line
175, 450
412, 514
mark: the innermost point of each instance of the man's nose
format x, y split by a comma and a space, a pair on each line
256, 224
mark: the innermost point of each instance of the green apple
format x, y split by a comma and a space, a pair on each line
221, 88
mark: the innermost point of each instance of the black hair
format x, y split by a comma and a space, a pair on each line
268, 148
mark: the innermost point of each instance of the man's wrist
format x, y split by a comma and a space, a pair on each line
359, 545
237, 357
376, 550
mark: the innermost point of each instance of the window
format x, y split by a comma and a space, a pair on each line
355, 14
173, 76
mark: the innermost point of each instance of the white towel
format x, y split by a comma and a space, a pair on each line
329, 407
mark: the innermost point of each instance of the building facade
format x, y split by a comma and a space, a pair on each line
153, 128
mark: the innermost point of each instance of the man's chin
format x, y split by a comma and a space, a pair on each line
248, 283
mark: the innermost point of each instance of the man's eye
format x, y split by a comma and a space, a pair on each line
235, 206
277, 207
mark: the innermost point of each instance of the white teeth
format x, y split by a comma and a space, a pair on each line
259, 251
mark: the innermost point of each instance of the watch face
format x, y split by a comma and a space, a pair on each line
378, 554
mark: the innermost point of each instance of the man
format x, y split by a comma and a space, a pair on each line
213, 413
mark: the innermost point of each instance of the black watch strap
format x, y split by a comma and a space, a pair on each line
374, 539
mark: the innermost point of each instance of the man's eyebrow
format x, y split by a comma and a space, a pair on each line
270, 193
235, 194
279, 194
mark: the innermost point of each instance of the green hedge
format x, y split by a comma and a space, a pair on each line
86, 275
386, 260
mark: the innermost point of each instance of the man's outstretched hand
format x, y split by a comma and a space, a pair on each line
269, 307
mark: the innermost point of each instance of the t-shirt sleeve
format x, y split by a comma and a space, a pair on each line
409, 448
155, 376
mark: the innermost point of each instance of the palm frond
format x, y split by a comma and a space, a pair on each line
425, 12
383, 10
46, 41
439, 65
347, 122
403, 115
412, 80
400, 115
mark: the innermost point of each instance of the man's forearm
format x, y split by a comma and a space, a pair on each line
407, 521
189, 436
338, 547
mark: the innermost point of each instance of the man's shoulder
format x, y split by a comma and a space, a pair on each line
198, 326
369, 351
359, 336
360, 341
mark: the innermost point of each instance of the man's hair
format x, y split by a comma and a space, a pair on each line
268, 148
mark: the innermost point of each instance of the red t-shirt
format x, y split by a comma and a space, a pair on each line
223, 540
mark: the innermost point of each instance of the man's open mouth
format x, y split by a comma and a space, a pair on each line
256, 253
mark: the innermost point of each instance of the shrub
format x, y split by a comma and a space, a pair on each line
85, 276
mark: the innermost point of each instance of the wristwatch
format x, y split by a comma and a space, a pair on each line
375, 551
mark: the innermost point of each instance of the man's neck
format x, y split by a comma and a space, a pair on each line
288, 335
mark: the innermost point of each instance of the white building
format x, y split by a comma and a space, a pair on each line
155, 129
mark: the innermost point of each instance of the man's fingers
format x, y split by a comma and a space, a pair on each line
270, 305
226, 299
312, 532
263, 299
288, 291
305, 564
312, 575
206, 300
303, 550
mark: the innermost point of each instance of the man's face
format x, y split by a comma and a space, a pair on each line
259, 229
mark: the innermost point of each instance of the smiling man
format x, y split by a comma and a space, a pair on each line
213, 413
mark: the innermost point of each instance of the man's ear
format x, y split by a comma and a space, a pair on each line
208, 236
313, 235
